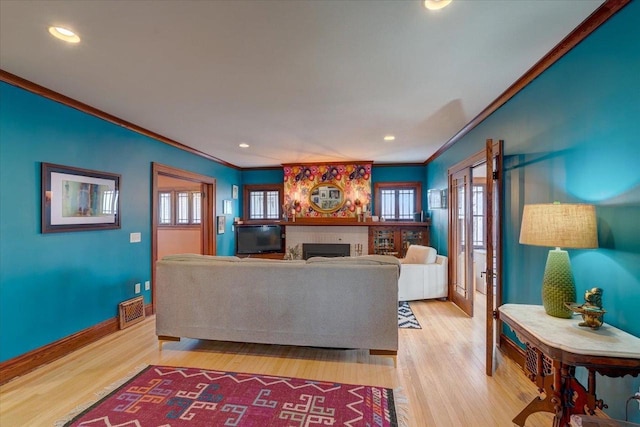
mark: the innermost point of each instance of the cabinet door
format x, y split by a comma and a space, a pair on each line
383, 241
412, 236
394, 240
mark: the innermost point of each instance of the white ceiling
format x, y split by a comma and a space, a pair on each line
300, 81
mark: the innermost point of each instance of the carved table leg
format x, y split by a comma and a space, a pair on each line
564, 395
538, 404
577, 399
557, 384
557, 393
592, 401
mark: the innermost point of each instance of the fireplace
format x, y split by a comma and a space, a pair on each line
325, 249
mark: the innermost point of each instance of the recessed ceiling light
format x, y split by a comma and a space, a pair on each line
436, 4
243, 145
64, 34
389, 138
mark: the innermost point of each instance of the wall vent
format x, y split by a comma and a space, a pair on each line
131, 312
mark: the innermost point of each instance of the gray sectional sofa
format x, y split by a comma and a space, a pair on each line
321, 302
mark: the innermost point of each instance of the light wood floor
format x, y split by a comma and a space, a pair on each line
440, 371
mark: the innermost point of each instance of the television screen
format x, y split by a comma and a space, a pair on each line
258, 239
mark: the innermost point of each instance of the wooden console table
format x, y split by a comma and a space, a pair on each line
555, 347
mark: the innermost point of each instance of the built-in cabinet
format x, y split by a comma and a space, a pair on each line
395, 239
378, 238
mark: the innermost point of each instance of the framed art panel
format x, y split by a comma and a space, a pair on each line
434, 197
443, 199
221, 223
234, 191
76, 199
227, 207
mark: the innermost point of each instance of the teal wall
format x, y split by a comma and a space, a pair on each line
573, 135
54, 285
263, 176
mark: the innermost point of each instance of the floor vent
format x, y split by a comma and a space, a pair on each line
131, 312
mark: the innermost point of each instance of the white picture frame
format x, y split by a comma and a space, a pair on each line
227, 207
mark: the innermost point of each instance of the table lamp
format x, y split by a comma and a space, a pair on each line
559, 225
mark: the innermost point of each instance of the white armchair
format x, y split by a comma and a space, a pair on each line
423, 274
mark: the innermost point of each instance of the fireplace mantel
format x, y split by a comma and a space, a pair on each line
332, 222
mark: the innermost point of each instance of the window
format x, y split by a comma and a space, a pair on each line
398, 201
164, 208
179, 207
263, 202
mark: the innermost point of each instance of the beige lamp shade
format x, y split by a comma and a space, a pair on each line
559, 225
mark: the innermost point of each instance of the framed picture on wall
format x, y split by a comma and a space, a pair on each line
443, 199
234, 191
227, 207
75, 199
434, 197
221, 222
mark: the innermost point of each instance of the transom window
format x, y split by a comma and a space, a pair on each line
398, 201
179, 207
263, 202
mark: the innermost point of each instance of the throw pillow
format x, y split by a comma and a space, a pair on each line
418, 254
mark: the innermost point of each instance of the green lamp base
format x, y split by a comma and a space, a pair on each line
558, 285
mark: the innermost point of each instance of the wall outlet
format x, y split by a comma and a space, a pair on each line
135, 237
147, 285
137, 288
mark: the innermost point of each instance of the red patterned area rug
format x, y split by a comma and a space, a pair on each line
163, 396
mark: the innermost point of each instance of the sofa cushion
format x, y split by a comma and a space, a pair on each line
418, 254
198, 257
270, 261
360, 260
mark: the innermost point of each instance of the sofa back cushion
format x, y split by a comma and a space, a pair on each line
359, 260
198, 257
418, 254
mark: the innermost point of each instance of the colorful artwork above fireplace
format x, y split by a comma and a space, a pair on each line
353, 179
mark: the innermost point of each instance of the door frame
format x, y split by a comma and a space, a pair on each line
495, 149
494, 153
208, 185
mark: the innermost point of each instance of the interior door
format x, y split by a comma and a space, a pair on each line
460, 243
493, 244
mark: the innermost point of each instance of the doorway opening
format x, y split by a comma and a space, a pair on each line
183, 209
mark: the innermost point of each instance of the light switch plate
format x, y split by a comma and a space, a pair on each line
135, 237
147, 285
137, 288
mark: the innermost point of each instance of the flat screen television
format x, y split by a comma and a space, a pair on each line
258, 239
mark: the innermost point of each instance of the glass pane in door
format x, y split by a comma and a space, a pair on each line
461, 241
461, 284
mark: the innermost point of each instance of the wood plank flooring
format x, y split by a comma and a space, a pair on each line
440, 371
